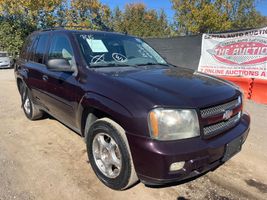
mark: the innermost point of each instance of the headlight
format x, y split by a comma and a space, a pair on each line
169, 124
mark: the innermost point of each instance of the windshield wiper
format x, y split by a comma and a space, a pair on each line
111, 65
126, 65
151, 63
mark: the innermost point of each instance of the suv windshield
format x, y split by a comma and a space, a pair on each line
101, 50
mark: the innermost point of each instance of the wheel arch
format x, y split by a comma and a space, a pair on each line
94, 106
22, 80
19, 82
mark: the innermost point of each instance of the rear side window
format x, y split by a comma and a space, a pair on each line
40, 49
33, 49
61, 48
24, 54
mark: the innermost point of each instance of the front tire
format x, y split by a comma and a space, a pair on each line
109, 154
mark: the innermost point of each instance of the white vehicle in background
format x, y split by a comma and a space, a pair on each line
4, 60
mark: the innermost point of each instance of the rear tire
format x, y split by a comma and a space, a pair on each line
29, 108
109, 154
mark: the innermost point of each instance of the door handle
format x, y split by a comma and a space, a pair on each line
45, 78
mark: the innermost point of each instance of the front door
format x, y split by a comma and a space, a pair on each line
61, 87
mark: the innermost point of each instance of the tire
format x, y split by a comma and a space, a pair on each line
30, 110
109, 154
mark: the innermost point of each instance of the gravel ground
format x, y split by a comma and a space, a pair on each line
46, 160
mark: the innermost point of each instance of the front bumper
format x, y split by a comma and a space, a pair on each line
152, 158
4, 66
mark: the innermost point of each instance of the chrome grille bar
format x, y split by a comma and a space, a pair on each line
221, 126
208, 112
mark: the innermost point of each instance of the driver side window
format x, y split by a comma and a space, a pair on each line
61, 48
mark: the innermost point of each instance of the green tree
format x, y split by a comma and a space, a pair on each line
137, 20
244, 14
13, 32
39, 13
91, 14
117, 20
201, 16
20, 17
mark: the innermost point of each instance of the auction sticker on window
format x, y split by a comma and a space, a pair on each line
235, 54
97, 46
119, 57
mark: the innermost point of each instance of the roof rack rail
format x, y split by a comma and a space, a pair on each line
51, 29
63, 27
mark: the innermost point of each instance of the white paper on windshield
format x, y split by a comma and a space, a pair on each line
97, 46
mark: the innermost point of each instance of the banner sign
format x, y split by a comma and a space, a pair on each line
242, 53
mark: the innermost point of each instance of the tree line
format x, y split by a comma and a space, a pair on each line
18, 18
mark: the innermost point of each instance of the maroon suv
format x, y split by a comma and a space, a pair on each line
142, 118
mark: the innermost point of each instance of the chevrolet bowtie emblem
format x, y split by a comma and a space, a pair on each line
228, 114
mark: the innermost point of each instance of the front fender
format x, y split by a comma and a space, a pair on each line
115, 110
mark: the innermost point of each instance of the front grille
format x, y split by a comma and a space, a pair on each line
3, 66
220, 108
211, 114
221, 126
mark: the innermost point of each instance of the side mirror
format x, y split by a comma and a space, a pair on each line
59, 65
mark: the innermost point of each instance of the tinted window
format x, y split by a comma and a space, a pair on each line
40, 49
27, 47
60, 48
33, 49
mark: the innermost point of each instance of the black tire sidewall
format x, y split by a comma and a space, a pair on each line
121, 181
24, 96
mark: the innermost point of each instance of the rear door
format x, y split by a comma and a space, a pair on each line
61, 87
30, 65
37, 69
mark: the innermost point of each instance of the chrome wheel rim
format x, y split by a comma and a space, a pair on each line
27, 105
107, 155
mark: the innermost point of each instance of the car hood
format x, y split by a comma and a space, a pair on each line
174, 86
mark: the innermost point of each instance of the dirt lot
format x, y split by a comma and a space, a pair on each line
45, 160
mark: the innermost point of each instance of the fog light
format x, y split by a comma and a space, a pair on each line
177, 166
